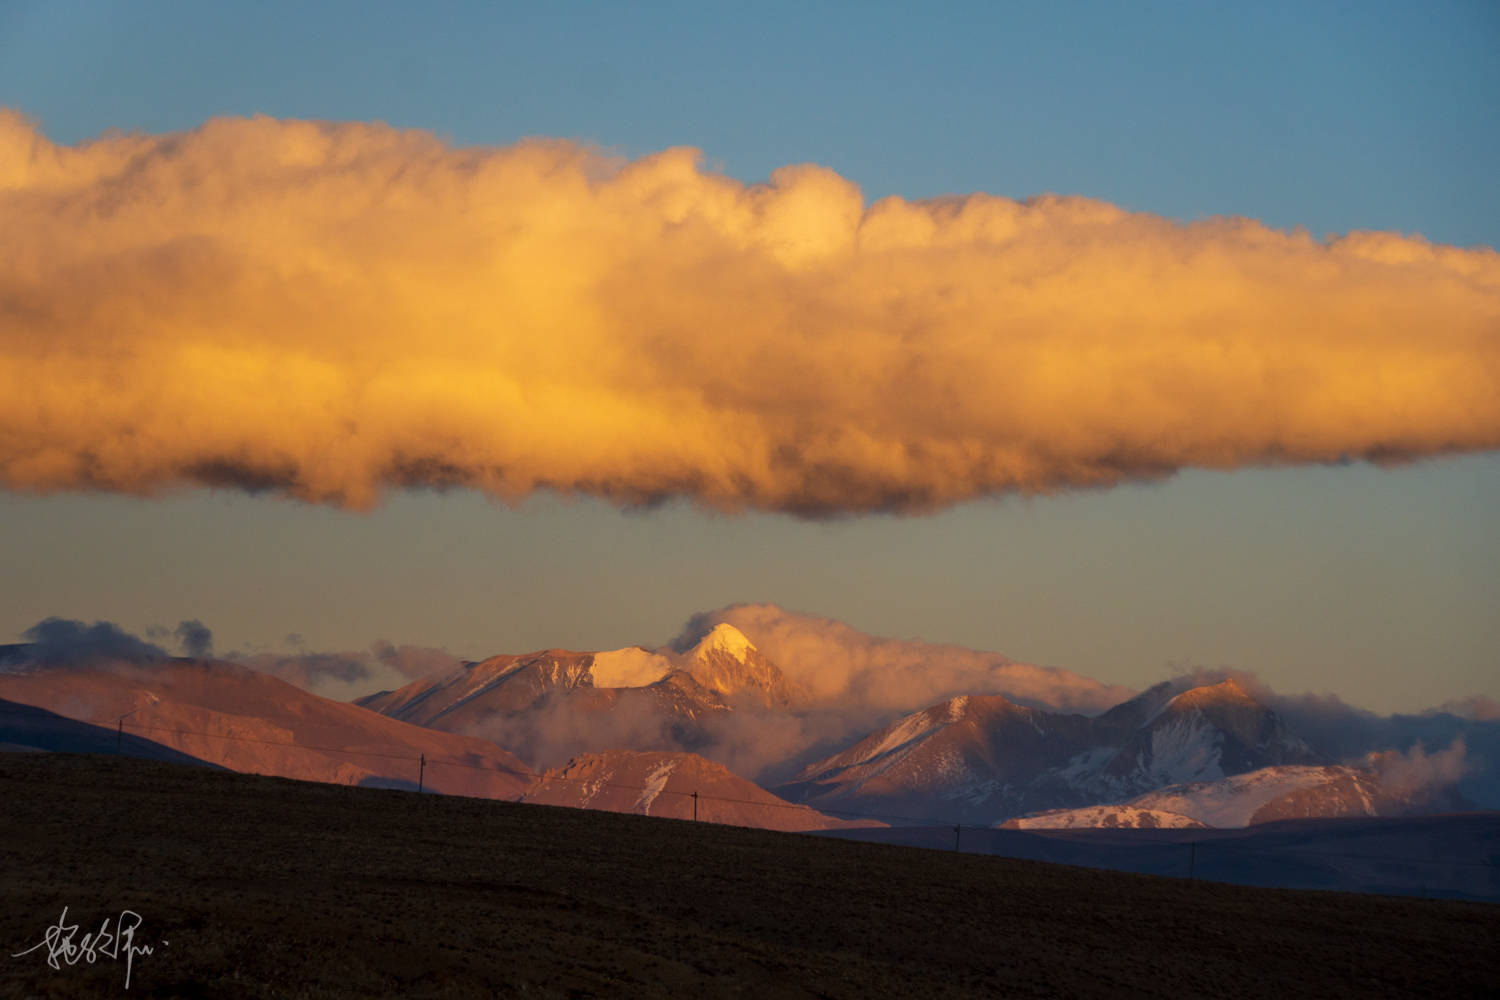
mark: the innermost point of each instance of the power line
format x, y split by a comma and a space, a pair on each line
542, 777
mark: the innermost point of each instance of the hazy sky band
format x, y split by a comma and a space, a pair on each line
332, 310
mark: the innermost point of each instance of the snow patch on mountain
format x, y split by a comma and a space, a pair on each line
1184, 750
630, 667
655, 782
1121, 817
1235, 800
1083, 768
888, 742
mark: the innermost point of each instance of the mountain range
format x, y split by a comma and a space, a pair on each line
985, 758
634, 729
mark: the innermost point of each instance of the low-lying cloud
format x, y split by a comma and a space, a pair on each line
1471, 735
844, 668
1416, 770
331, 311
348, 674
854, 683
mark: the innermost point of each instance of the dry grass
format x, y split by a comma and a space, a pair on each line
273, 888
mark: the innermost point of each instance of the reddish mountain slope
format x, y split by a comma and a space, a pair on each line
967, 758
984, 758
252, 722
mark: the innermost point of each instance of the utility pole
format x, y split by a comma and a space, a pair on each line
956, 829
120, 727
422, 772
695, 807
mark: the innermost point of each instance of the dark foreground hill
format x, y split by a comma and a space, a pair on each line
263, 887
27, 727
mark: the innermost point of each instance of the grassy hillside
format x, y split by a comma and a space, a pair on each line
265, 887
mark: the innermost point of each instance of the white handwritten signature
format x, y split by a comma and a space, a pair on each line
103, 943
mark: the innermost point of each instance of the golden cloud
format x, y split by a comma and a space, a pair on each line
330, 311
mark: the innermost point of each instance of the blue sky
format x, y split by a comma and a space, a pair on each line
1376, 583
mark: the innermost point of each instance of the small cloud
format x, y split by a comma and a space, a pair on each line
68, 641
196, 639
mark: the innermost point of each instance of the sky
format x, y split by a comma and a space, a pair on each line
1178, 542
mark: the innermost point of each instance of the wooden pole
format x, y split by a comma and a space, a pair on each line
695, 807
422, 772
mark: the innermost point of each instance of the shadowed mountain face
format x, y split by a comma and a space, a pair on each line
247, 721
982, 759
664, 783
1201, 735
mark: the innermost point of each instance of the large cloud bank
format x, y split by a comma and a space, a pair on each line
330, 311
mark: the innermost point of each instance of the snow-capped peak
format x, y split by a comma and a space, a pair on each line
724, 638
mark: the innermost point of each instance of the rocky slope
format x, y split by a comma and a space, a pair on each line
664, 783
984, 758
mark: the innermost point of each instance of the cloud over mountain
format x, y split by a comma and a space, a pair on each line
69, 641
331, 311
347, 674
845, 668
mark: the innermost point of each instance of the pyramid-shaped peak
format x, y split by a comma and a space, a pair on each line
724, 638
